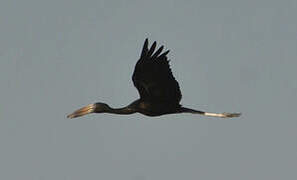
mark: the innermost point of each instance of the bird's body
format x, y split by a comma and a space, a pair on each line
154, 108
158, 90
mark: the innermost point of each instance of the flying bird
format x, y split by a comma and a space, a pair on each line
158, 90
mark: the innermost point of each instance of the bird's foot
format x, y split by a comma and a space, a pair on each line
230, 115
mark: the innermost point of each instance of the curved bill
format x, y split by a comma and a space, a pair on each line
82, 111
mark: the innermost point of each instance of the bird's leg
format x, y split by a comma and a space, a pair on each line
221, 115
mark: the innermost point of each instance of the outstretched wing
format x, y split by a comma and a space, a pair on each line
153, 77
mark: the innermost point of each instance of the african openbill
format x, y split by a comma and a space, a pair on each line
159, 91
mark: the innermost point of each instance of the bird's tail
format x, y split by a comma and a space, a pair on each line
221, 115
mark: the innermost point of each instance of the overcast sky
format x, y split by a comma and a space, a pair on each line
227, 55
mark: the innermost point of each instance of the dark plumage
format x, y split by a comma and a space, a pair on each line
158, 90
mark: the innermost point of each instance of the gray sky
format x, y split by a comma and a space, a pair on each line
230, 55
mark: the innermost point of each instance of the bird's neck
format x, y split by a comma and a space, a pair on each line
124, 110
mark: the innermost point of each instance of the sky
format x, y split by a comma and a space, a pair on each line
227, 55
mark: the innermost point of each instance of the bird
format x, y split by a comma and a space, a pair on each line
158, 89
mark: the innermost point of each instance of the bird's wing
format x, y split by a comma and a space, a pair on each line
153, 77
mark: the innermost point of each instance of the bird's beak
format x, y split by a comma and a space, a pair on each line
82, 111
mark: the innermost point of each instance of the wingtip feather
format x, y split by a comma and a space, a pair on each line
152, 49
157, 53
144, 48
165, 53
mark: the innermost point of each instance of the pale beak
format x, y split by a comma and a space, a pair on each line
82, 111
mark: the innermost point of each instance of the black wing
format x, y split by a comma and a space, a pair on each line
153, 77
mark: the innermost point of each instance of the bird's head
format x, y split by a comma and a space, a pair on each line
91, 108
